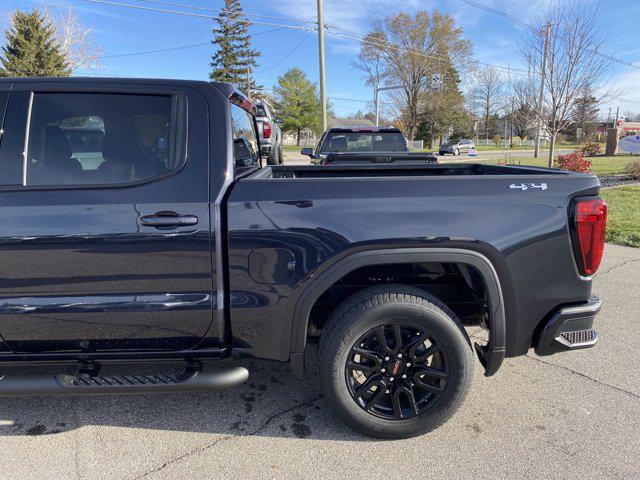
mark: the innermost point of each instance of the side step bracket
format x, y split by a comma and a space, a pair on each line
82, 384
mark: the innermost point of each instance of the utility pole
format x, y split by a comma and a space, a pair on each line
511, 133
375, 99
608, 118
541, 97
323, 93
615, 124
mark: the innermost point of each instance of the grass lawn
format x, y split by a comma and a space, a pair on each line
291, 148
603, 165
623, 215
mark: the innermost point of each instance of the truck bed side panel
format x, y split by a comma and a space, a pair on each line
523, 232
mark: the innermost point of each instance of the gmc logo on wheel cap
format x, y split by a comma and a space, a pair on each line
396, 367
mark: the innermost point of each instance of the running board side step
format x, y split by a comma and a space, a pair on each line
190, 381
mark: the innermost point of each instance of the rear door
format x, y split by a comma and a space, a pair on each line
105, 238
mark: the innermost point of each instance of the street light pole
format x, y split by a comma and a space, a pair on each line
323, 93
378, 89
541, 97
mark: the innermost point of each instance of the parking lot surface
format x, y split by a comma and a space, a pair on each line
575, 415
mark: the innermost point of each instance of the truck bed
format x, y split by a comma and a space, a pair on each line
382, 170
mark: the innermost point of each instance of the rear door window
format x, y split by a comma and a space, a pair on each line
100, 138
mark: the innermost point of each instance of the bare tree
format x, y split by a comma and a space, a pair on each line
76, 40
575, 61
488, 94
370, 60
523, 93
412, 48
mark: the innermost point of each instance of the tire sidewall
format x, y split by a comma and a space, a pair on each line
444, 331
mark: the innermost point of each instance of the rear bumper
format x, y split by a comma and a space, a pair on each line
570, 328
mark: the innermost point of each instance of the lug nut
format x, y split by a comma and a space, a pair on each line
404, 376
399, 355
386, 359
408, 364
391, 379
383, 370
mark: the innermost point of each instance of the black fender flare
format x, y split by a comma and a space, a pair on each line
490, 355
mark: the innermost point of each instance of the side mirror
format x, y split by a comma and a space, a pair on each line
307, 151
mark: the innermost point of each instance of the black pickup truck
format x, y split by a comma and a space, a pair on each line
138, 226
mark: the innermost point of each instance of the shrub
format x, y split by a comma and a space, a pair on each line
591, 149
574, 162
633, 170
497, 139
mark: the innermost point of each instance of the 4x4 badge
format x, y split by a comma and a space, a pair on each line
527, 186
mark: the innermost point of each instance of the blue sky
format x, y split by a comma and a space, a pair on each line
123, 31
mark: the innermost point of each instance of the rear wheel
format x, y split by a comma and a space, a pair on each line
280, 161
272, 159
456, 152
394, 361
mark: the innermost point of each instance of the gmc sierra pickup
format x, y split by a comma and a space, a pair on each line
138, 226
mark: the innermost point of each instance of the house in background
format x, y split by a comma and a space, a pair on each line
308, 137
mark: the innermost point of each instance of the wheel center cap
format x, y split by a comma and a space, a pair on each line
396, 367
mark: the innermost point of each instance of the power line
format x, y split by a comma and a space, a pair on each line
180, 47
408, 50
208, 9
530, 27
156, 51
286, 56
353, 35
495, 11
197, 15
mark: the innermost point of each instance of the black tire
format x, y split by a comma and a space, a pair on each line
280, 161
402, 309
272, 158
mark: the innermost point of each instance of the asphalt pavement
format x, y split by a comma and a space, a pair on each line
574, 415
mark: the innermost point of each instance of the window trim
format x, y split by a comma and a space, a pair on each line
179, 130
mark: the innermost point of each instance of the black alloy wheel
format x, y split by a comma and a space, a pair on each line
396, 371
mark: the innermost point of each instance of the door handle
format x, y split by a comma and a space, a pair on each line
168, 220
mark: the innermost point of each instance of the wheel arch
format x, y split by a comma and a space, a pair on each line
491, 355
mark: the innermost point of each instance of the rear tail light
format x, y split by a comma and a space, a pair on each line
591, 224
266, 129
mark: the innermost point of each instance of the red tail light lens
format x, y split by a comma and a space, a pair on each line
591, 224
266, 129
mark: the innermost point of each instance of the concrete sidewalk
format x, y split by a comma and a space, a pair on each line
574, 415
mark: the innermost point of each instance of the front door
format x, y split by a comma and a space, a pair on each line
105, 232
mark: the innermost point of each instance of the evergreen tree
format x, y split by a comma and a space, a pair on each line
297, 102
234, 59
31, 48
585, 115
